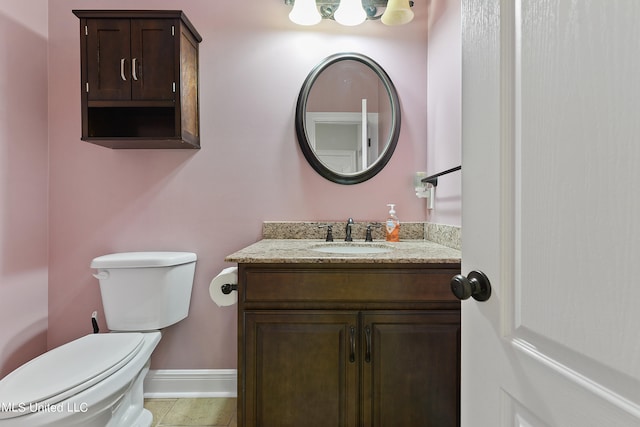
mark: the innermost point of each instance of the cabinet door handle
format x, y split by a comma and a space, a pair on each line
133, 69
352, 344
122, 76
367, 335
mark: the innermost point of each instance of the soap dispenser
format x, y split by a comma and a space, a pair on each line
392, 225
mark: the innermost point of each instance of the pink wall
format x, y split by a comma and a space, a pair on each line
444, 112
213, 201
23, 182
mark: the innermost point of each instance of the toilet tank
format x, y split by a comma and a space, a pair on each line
144, 291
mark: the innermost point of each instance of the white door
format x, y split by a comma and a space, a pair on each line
551, 212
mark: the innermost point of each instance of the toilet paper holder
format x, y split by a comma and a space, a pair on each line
227, 288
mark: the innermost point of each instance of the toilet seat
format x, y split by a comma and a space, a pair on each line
65, 371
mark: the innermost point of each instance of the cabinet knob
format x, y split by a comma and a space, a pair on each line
476, 285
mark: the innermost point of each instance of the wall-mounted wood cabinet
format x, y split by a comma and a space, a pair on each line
139, 74
348, 345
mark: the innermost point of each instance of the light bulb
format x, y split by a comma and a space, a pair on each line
398, 12
350, 12
305, 12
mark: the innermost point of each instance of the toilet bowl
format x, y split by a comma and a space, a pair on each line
97, 380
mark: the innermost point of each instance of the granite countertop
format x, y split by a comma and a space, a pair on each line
300, 251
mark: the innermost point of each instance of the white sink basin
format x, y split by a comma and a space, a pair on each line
352, 248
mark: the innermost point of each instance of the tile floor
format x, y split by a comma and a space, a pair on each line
196, 412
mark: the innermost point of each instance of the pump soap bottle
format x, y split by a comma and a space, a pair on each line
392, 225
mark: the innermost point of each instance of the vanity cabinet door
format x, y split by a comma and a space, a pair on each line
411, 368
300, 369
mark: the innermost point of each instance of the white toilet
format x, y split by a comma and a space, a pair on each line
97, 380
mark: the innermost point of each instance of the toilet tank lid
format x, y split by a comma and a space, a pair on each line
143, 259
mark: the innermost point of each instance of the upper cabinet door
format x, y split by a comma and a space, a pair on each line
131, 59
153, 62
108, 59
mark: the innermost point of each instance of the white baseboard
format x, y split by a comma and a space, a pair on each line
180, 383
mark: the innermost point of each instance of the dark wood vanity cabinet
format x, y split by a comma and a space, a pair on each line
348, 345
139, 74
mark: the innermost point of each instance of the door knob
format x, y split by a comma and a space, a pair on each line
476, 285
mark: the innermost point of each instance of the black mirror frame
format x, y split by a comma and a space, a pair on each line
301, 130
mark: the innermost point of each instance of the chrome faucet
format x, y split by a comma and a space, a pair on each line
348, 237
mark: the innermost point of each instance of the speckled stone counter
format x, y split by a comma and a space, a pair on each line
447, 235
302, 251
317, 230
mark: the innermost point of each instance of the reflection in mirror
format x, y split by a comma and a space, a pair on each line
348, 118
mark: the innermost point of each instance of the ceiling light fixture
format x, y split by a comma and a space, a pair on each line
351, 12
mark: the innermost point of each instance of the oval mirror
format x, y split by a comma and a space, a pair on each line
348, 118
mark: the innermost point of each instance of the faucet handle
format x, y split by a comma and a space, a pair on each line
329, 228
368, 237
